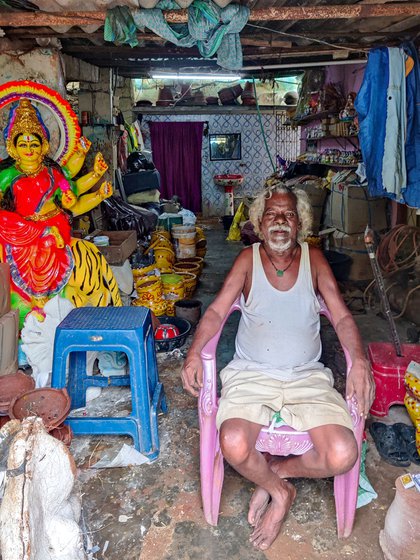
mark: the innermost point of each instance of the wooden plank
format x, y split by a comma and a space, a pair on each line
284, 13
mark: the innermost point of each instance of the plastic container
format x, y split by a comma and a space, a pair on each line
388, 371
173, 289
184, 240
184, 328
101, 241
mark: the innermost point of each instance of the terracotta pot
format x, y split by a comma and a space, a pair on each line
400, 538
165, 98
149, 290
196, 260
188, 309
52, 405
12, 386
164, 257
144, 271
190, 282
187, 267
173, 288
63, 433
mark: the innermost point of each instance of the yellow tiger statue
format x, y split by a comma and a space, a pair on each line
92, 282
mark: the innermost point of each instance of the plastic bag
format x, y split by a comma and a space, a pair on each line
234, 231
121, 216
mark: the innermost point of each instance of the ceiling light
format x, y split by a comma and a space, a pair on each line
212, 77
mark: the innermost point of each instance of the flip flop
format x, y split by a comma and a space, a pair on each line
390, 446
408, 435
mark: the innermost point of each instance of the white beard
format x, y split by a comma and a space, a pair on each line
280, 245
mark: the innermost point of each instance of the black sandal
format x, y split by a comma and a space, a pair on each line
408, 435
391, 447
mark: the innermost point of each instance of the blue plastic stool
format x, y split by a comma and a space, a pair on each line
126, 329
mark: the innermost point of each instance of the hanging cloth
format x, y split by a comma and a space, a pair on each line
210, 28
389, 119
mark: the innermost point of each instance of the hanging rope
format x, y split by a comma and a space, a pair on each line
262, 126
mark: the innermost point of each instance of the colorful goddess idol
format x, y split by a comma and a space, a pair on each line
37, 199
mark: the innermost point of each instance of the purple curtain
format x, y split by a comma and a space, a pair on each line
176, 151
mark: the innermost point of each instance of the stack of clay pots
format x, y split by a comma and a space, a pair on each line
150, 294
200, 242
248, 95
179, 259
19, 399
165, 98
173, 290
229, 95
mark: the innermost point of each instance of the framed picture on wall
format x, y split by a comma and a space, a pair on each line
225, 146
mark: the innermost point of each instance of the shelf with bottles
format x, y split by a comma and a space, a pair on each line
331, 130
333, 157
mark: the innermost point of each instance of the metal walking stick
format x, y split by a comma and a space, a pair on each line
369, 237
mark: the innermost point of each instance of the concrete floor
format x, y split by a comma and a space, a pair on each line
153, 511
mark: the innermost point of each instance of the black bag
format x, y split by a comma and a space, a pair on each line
121, 216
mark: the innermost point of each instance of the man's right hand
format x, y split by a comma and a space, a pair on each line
192, 374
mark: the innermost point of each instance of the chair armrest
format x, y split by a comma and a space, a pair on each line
208, 397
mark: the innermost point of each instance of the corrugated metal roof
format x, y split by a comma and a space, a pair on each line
295, 32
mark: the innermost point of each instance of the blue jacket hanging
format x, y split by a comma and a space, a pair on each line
389, 125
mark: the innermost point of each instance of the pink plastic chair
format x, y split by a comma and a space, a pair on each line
278, 441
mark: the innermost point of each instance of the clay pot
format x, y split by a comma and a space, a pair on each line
400, 538
164, 257
199, 231
52, 405
187, 267
12, 386
190, 282
149, 290
188, 309
173, 288
144, 271
212, 100
165, 98
63, 433
196, 260
3, 421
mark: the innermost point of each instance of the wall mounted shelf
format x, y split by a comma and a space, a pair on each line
210, 110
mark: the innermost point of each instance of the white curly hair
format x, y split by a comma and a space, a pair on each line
303, 207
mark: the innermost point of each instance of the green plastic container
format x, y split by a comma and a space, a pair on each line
166, 222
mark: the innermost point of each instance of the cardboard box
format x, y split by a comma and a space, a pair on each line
353, 246
317, 197
351, 209
9, 331
121, 245
4, 289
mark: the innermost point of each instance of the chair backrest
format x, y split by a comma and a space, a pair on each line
209, 350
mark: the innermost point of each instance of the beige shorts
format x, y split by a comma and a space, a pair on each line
303, 404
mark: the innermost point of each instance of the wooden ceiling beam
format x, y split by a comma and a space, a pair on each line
263, 40
142, 53
283, 13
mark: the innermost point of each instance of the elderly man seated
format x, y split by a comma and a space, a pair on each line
276, 364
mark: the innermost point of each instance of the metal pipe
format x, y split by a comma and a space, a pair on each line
298, 65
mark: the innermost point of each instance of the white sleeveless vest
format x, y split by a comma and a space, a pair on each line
278, 333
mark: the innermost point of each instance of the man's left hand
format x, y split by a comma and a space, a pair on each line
360, 383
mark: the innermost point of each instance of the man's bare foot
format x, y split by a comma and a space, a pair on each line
269, 525
257, 505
